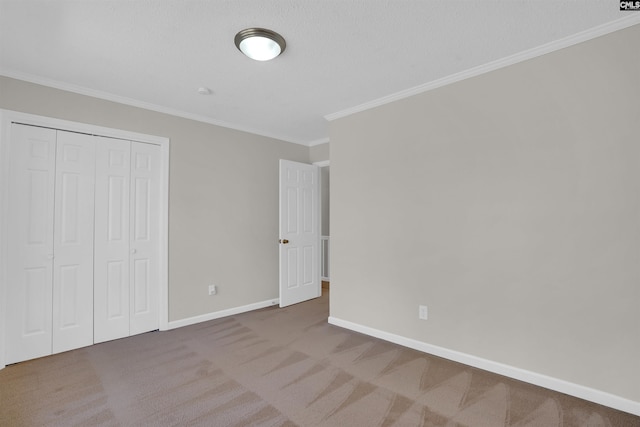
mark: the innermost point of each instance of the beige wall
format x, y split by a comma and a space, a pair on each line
223, 196
325, 193
319, 153
508, 203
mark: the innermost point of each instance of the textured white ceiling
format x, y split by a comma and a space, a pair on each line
340, 53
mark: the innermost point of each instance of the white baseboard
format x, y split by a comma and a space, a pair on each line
222, 313
582, 392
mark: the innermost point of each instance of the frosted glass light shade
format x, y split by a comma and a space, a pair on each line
260, 48
260, 44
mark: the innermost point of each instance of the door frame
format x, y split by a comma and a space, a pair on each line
7, 117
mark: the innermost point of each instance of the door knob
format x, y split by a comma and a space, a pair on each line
284, 241
133, 251
50, 256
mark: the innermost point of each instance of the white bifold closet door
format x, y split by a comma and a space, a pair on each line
84, 244
73, 242
50, 265
145, 237
127, 249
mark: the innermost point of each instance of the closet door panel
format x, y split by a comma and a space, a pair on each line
113, 171
145, 237
30, 238
73, 242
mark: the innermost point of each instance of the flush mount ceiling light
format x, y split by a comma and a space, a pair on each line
260, 44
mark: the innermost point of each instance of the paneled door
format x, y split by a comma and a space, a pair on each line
50, 266
30, 242
73, 242
84, 237
127, 245
299, 232
144, 275
113, 180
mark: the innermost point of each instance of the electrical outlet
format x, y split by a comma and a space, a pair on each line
213, 290
423, 312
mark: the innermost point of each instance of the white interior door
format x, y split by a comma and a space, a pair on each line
299, 232
73, 242
146, 167
111, 283
30, 242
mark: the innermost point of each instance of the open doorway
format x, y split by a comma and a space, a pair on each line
325, 231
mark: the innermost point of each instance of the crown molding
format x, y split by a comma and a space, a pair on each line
583, 36
81, 90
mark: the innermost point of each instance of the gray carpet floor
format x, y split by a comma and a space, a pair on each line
275, 367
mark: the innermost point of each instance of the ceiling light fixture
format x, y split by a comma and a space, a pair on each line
260, 44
